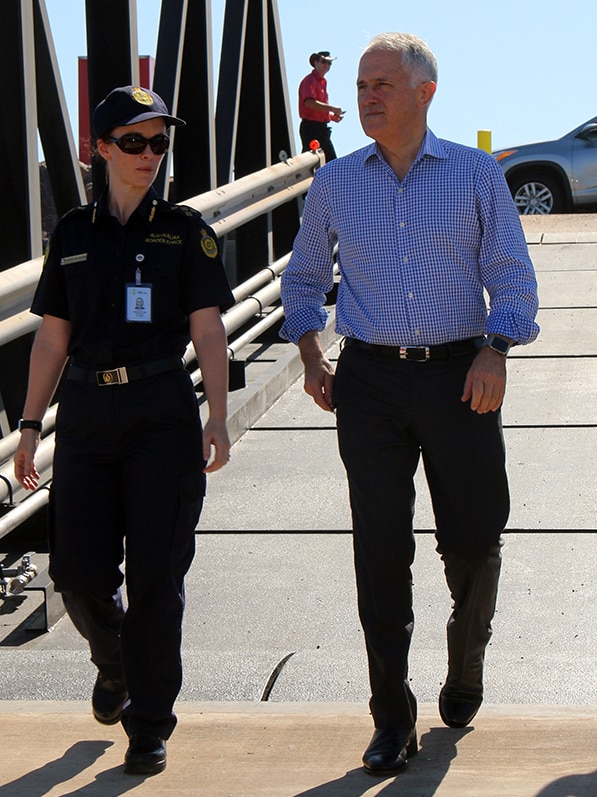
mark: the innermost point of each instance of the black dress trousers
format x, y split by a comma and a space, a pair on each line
390, 413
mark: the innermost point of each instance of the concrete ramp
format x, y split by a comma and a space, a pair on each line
274, 701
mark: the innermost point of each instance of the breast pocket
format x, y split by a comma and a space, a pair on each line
77, 279
163, 275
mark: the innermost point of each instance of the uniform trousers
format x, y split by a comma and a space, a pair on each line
390, 413
128, 479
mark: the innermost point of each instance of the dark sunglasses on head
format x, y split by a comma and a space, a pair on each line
134, 144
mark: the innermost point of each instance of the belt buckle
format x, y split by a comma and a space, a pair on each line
115, 376
418, 354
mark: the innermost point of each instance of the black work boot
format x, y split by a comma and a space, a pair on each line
473, 583
109, 696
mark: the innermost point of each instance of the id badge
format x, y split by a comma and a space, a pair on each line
138, 303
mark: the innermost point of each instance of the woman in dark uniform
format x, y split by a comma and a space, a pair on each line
128, 281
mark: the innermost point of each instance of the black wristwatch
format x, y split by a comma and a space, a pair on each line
501, 345
25, 424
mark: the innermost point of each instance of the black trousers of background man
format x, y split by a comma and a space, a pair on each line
391, 412
317, 131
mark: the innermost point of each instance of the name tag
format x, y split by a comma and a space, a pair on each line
67, 261
138, 303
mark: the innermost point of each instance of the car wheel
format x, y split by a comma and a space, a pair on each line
537, 195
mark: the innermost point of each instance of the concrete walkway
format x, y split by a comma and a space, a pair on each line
300, 750
274, 702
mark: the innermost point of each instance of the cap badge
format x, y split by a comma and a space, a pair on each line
142, 97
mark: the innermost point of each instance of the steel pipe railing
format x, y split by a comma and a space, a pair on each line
17, 285
43, 462
23, 511
8, 444
279, 183
225, 208
236, 317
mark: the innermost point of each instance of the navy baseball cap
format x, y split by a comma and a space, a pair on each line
127, 105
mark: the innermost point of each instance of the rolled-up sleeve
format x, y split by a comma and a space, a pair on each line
309, 275
506, 268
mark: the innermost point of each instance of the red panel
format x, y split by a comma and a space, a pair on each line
84, 123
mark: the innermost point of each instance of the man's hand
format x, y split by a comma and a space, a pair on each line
485, 383
319, 374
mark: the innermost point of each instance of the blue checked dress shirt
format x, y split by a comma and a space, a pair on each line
417, 256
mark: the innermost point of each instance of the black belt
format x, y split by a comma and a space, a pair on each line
125, 373
418, 354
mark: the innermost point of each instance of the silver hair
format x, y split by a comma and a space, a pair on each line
415, 53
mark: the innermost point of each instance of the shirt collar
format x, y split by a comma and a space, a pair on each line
430, 146
148, 205
146, 208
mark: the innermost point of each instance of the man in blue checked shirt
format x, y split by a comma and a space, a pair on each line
424, 226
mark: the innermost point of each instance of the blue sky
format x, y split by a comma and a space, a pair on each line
525, 71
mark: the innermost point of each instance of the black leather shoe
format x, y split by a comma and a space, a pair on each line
146, 755
458, 709
389, 750
109, 696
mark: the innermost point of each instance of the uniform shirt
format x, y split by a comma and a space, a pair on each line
415, 255
315, 87
92, 258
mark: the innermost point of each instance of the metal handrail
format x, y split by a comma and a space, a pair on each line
225, 209
233, 320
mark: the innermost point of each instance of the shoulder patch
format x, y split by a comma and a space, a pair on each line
208, 244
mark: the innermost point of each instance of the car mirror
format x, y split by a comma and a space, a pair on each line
588, 133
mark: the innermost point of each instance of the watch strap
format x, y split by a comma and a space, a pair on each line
24, 423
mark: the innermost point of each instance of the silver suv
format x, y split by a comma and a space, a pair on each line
553, 176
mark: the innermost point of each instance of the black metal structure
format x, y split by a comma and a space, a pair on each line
253, 120
247, 129
184, 78
112, 56
19, 215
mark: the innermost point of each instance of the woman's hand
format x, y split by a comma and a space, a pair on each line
24, 459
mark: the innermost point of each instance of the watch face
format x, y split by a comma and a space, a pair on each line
499, 344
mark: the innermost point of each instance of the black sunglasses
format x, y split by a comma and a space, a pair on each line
134, 144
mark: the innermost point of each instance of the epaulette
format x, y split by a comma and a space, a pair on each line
185, 210
76, 209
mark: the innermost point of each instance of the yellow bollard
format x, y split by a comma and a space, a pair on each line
484, 140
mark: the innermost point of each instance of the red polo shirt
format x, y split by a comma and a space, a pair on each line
313, 86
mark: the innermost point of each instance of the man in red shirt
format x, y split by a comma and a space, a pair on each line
315, 110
